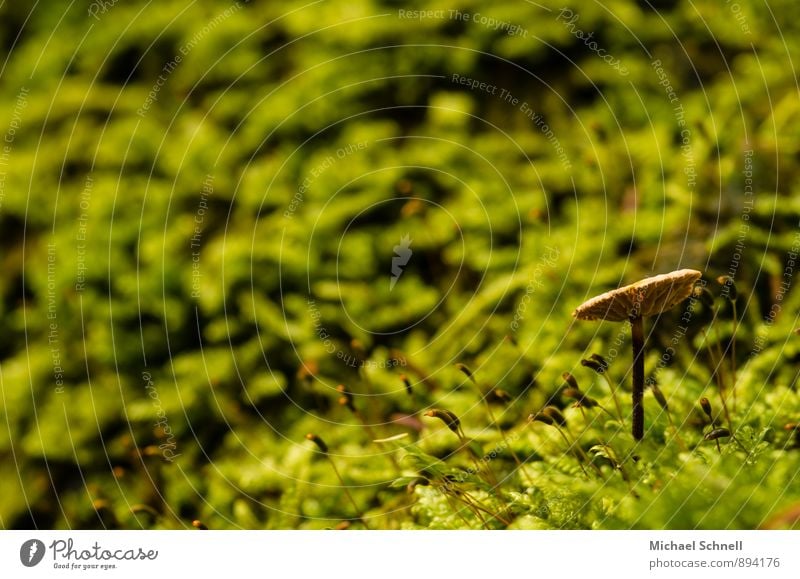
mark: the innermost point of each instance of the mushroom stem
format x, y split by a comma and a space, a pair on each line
733, 353
637, 338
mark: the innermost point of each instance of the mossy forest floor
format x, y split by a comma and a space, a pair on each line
226, 226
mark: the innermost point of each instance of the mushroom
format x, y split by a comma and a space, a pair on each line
651, 296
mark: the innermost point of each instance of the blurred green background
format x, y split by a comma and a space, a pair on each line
200, 204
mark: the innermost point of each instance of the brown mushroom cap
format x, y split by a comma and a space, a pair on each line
648, 297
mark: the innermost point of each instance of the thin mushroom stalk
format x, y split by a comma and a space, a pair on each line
633, 303
637, 396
